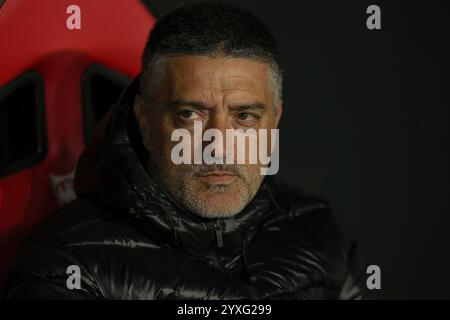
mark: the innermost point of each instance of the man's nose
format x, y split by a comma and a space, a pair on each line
221, 123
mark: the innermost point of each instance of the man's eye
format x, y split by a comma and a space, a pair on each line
189, 115
245, 116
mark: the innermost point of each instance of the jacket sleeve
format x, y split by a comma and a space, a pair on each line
353, 287
308, 255
40, 272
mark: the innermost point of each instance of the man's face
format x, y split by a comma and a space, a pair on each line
223, 93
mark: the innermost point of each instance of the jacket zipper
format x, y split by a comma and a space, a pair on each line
219, 234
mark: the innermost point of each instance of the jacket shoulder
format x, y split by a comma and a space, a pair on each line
84, 222
74, 235
306, 238
310, 218
72, 215
297, 202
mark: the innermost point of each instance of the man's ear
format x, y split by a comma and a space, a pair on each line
142, 118
279, 112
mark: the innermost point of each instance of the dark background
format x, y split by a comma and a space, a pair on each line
366, 126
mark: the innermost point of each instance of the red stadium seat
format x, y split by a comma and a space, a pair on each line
55, 84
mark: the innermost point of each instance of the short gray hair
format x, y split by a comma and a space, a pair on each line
209, 29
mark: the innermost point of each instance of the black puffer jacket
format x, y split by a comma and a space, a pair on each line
131, 242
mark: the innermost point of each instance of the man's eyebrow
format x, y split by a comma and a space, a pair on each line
195, 104
201, 105
249, 106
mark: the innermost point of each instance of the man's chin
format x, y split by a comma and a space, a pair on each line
218, 202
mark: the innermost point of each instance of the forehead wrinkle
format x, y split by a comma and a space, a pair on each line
214, 84
215, 77
220, 84
209, 93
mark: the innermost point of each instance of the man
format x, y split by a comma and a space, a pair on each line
145, 226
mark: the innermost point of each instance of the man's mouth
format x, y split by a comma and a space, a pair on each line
218, 177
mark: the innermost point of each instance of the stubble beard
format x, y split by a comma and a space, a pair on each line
182, 183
